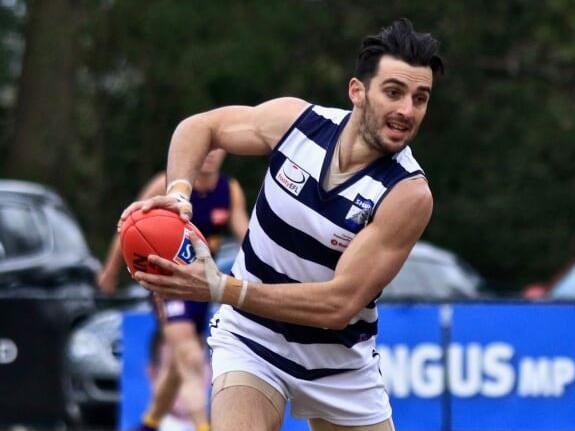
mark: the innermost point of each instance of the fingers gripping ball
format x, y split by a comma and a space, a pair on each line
160, 232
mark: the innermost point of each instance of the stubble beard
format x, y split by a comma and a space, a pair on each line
368, 129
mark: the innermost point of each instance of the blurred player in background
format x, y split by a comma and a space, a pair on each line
218, 203
178, 418
341, 206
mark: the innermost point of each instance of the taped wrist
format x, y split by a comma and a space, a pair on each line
180, 185
229, 290
180, 197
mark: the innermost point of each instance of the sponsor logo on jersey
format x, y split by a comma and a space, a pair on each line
340, 241
185, 254
292, 177
175, 308
359, 212
219, 216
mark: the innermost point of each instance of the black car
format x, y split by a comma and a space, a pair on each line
47, 287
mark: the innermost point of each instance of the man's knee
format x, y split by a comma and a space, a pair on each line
190, 355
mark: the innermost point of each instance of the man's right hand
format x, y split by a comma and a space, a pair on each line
176, 202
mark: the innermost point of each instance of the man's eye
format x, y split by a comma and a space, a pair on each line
393, 93
421, 99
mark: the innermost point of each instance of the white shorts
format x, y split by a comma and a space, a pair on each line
352, 398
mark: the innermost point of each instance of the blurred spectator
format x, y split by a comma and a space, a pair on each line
560, 286
178, 418
218, 203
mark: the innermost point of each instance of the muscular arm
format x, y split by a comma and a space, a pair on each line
236, 129
240, 130
238, 216
371, 261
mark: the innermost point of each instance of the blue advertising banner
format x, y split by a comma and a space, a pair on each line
512, 367
409, 342
509, 367
137, 330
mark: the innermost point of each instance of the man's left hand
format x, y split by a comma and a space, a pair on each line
187, 282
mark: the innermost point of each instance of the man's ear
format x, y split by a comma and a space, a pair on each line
357, 92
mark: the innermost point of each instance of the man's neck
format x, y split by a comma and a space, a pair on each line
354, 152
206, 182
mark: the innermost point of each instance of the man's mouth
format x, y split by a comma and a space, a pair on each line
399, 126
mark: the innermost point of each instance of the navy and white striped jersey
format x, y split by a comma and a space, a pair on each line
297, 233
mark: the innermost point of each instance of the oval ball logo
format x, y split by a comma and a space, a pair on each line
291, 177
185, 254
294, 173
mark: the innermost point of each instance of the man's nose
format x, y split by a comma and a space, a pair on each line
406, 107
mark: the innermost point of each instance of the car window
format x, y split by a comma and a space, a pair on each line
407, 282
67, 234
449, 280
20, 233
429, 274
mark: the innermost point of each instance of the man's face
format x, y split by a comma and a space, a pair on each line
394, 105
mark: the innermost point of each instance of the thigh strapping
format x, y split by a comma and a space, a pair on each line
242, 378
323, 425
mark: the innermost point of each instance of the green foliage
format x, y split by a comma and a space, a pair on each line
10, 38
496, 143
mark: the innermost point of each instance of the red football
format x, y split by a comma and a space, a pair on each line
160, 232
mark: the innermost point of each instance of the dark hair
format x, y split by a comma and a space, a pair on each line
401, 41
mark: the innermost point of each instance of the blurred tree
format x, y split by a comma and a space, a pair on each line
11, 42
44, 130
496, 143
152, 66
502, 138
500, 202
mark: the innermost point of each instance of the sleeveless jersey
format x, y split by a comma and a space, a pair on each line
212, 208
297, 233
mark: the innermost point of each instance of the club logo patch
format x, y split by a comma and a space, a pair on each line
292, 177
186, 253
359, 213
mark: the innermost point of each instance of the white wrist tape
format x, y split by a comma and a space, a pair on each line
176, 182
217, 288
243, 293
216, 280
180, 197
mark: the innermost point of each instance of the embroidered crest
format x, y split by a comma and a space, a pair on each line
359, 212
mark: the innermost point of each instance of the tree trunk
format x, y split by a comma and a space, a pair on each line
44, 125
